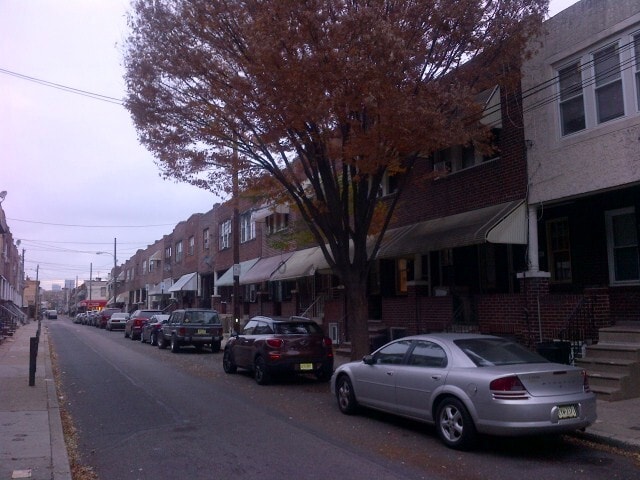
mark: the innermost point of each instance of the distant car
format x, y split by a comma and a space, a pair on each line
467, 384
78, 318
191, 326
150, 328
52, 314
104, 315
266, 346
133, 327
117, 321
91, 318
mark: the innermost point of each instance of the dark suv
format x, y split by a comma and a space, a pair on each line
191, 326
280, 345
104, 315
133, 327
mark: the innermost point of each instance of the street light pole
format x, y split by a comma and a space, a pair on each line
114, 275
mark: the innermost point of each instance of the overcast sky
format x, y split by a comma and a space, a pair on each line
75, 174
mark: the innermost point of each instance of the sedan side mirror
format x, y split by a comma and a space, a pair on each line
369, 359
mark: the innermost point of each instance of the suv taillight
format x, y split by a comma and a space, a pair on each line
274, 342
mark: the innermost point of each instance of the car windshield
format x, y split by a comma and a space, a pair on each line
297, 328
201, 317
488, 352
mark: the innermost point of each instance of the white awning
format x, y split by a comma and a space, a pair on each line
123, 297
303, 263
263, 269
226, 279
188, 282
156, 256
503, 223
264, 212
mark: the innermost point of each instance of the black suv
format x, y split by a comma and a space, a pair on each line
280, 345
191, 326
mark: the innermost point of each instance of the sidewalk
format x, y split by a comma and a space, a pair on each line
32, 443
31, 439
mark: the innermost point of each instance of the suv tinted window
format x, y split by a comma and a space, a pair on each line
297, 328
263, 329
249, 327
201, 316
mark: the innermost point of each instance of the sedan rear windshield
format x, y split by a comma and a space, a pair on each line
201, 317
488, 352
297, 328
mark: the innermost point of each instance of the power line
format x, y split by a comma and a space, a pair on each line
89, 226
64, 88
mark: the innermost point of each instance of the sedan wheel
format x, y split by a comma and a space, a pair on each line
454, 424
347, 402
227, 363
152, 339
260, 372
175, 346
162, 343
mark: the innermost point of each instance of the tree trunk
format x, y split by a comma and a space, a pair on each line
357, 316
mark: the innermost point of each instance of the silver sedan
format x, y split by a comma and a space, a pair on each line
467, 384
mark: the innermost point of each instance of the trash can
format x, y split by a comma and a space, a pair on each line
557, 352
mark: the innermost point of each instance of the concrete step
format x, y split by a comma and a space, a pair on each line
606, 365
620, 334
613, 351
610, 380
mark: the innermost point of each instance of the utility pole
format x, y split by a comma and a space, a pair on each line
236, 242
114, 277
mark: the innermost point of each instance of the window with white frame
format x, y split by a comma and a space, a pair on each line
608, 87
179, 251
277, 222
205, 239
636, 54
167, 254
603, 84
192, 246
247, 227
225, 234
144, 267
572, 116
622, 246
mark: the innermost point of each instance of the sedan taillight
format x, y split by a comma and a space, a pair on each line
508, 388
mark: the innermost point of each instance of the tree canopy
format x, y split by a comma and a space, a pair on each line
320, 100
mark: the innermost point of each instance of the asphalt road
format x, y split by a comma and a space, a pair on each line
145, 413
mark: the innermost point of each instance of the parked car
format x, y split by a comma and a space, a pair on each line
191, 326
150, 329
267, 345
133, 327
51, 314
78, 318
91, 318
103, 316
466, 384
117, 321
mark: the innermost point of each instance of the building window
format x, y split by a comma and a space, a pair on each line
225, 234
205, 239
636, 50
402, 276
247, 227
622, 246
388, 185
179, 251
144, 267
572, 115
460, 157
277, 222
608, 88
559, 250
103, 291
167, 255
192, 246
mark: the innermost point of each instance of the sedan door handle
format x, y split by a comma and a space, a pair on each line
390, 372
436, 377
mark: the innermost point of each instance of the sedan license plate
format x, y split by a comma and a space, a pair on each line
201, 331
567, 411
306, 366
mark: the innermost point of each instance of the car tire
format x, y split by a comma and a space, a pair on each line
126, 335
162, 343
142, 338
260, 372
175, 346
215, 346
454, 424
228, 365
153, 339
345, 395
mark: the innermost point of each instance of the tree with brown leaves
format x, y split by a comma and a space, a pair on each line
326, 98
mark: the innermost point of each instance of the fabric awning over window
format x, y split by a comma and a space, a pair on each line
264, 212
156, 256
226, 280
302, 263
161, 288
503, 223
263, 269
188, 282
